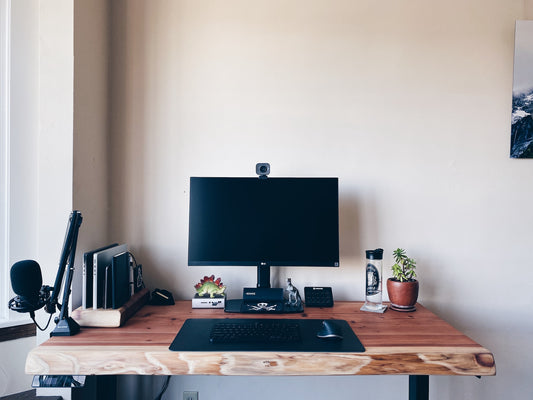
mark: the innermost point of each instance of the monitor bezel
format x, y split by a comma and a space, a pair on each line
263, 266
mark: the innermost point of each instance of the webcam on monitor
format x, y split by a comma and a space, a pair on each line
262, 169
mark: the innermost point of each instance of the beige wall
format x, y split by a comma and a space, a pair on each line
528, 7
91, 140
408, 103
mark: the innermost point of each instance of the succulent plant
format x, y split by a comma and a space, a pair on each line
404, 268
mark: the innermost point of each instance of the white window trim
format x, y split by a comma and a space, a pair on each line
5, 24
7, 318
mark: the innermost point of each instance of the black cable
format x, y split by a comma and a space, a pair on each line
164, 388
133, 257
137, 267
32, 315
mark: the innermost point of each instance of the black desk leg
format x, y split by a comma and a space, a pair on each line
106, 387
418, 387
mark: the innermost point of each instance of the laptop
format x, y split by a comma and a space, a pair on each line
87, 287
101, 260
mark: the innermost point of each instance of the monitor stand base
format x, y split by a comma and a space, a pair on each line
261, 307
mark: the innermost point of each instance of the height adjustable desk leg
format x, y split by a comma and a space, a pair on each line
418, 387
106, 387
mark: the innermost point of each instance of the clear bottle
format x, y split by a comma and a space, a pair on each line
374, 284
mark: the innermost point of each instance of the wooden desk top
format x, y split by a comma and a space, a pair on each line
417, 343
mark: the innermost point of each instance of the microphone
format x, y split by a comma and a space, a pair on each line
26, 281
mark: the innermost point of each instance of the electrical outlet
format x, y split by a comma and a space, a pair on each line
190, 395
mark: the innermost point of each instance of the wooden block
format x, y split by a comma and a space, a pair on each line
110, 318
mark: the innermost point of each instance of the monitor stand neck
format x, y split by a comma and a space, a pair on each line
263, 276
265, 297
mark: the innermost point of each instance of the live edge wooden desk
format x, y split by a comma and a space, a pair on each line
417, 344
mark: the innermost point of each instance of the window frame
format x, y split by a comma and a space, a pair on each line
11, 327
5, 24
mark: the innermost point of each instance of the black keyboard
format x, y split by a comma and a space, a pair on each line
262, 331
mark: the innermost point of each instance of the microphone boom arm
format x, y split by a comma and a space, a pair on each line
66, 326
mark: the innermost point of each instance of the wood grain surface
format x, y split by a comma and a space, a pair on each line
396, 343
111, 318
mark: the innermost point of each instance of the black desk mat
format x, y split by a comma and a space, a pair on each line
194, 336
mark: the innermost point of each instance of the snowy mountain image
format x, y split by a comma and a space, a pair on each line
522, 119
522, 125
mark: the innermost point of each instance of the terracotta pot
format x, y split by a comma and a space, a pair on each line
402, 295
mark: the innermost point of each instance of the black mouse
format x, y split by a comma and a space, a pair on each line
329, 330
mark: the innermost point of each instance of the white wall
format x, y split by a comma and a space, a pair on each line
23, 194
407, 102
12, 376
55, 137
24, 123
41, 152
61, 147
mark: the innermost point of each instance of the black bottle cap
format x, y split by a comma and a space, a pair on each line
374, 254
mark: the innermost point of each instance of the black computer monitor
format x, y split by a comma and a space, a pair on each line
264, 222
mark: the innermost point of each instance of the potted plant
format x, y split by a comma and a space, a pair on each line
403, 287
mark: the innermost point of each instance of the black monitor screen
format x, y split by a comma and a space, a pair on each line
273, 221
